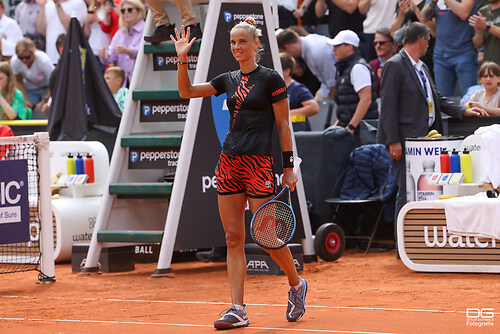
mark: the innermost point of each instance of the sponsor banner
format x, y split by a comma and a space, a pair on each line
14, 205
264, 265
153, 157
168, 61
164, 111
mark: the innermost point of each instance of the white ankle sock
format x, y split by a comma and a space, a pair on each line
296, 287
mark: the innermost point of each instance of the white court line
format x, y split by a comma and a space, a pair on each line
248, 304
302, 330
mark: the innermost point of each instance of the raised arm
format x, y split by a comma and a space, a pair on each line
348, 6
461, 9
186, 89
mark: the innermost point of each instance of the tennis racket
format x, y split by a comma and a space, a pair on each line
273, 224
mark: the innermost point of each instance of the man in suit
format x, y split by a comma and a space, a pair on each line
411, 105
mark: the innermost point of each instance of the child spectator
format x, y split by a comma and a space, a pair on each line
489, 98
11, 98
301, 101
115, 77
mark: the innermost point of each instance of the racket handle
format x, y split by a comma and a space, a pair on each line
296, 163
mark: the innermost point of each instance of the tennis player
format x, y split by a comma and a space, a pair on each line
256, 98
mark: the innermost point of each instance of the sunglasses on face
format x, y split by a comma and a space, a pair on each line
24, 58
129, 10
381, 43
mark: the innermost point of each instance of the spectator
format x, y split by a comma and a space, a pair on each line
343, 14
25, 15
96, 36
32, 69
489, 98
384, 47
54, 18
11, 98
111, 21
301, 101
122, 51
10, 33
46, 103
164, 28
303, 74
318, 56
408, 11
455, 57
289, 12
356, 91
486, 24
379, 14
115, 77
410, 103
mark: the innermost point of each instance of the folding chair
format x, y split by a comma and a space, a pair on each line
369, 183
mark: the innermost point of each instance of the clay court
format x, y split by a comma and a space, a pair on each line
358, 293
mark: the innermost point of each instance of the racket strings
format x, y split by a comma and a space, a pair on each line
273, 225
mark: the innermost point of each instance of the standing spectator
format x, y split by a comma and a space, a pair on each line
379, 14
384, 47
356, 91
10, 33
486, 24
46, 103
301, 101
97, 37
122, 51
32, 69
318, 56
411, 104
111, 21
11, 98
289, 12
343, 14
115, 77
164, 28
455, 57
25, 15
54, 18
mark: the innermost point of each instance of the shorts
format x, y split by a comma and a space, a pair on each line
250, 174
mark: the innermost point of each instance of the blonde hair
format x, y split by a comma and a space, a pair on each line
251, 26
10, 90
138, 5
117, 71
25, 44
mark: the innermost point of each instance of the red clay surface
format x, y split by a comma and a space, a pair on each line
358, 293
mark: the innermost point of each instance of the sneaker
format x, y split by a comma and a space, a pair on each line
232, 319
161, 34
296, 302
217, 254
195, 31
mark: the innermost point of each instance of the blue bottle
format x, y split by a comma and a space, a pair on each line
79, 164
455, 162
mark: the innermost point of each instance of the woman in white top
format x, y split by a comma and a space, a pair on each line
489, 98
95, 14
32, 69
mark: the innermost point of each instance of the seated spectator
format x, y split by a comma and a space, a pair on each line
32, 69
11, 98
301, 101
486, 25
122, 51
489, 98
303, 74
10, 34
97, 37
318, 56
115, 77
384, 47
25, 15
54, 18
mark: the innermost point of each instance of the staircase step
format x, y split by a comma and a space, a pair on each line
152, 141
141, 189
161, 94
168, 47
130, 236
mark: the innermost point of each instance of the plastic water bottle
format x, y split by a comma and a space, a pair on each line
466, 166
79, 164
455, 162
70, 165
444, 159
89, 168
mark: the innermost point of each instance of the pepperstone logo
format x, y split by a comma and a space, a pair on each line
480, 317
146, 109
160, 61
134, 156
228, 16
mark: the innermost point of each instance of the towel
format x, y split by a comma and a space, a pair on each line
476, 216
490, 154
